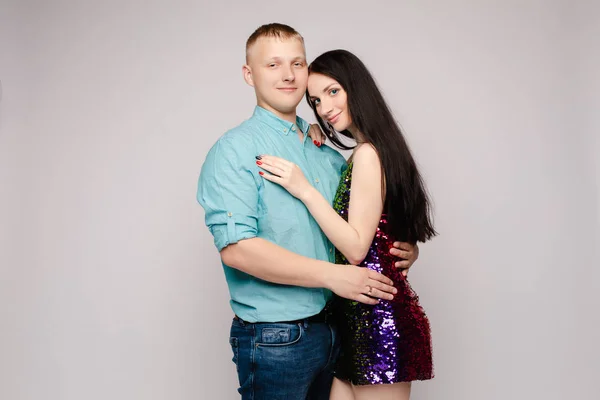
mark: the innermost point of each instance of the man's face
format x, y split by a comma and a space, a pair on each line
278, 72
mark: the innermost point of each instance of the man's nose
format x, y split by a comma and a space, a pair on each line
288, 74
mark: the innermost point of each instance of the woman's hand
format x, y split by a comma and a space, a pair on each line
317, 135
286, 174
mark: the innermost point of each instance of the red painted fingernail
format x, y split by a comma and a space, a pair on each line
261, 173
319, 144
259, 162
315, 142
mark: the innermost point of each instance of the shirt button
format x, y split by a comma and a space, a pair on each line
317, 180
285, 130
229, 214
294, 128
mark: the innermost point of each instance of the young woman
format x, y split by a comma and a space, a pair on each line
381, 199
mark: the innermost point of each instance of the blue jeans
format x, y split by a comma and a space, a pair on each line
287, 361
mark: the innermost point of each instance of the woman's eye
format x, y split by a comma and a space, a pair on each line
334, 92
316, 101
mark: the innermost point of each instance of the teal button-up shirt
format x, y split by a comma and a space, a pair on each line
240, 204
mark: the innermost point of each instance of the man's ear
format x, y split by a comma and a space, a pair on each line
247, 71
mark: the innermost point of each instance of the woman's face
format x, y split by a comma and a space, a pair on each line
330, 101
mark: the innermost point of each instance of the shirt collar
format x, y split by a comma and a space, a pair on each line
281, 125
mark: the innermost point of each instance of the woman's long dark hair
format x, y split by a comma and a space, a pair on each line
406, 202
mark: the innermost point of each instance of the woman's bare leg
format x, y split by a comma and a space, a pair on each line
396, 391
341, 390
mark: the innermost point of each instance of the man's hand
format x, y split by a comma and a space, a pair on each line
360, 284
408, 253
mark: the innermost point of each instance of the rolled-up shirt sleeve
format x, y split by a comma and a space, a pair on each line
228, 192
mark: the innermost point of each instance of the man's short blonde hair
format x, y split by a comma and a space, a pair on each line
274, 30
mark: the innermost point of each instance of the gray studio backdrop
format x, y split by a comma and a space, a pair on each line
110, 287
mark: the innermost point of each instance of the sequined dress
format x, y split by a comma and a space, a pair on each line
389, 342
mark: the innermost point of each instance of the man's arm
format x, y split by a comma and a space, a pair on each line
267, 261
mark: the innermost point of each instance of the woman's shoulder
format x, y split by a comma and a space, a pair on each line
365, 153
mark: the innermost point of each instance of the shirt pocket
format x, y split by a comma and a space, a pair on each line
281, 224
280, 210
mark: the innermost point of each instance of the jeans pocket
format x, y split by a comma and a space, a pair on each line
233, 342
278, 336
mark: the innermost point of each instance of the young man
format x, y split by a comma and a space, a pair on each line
278, 264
